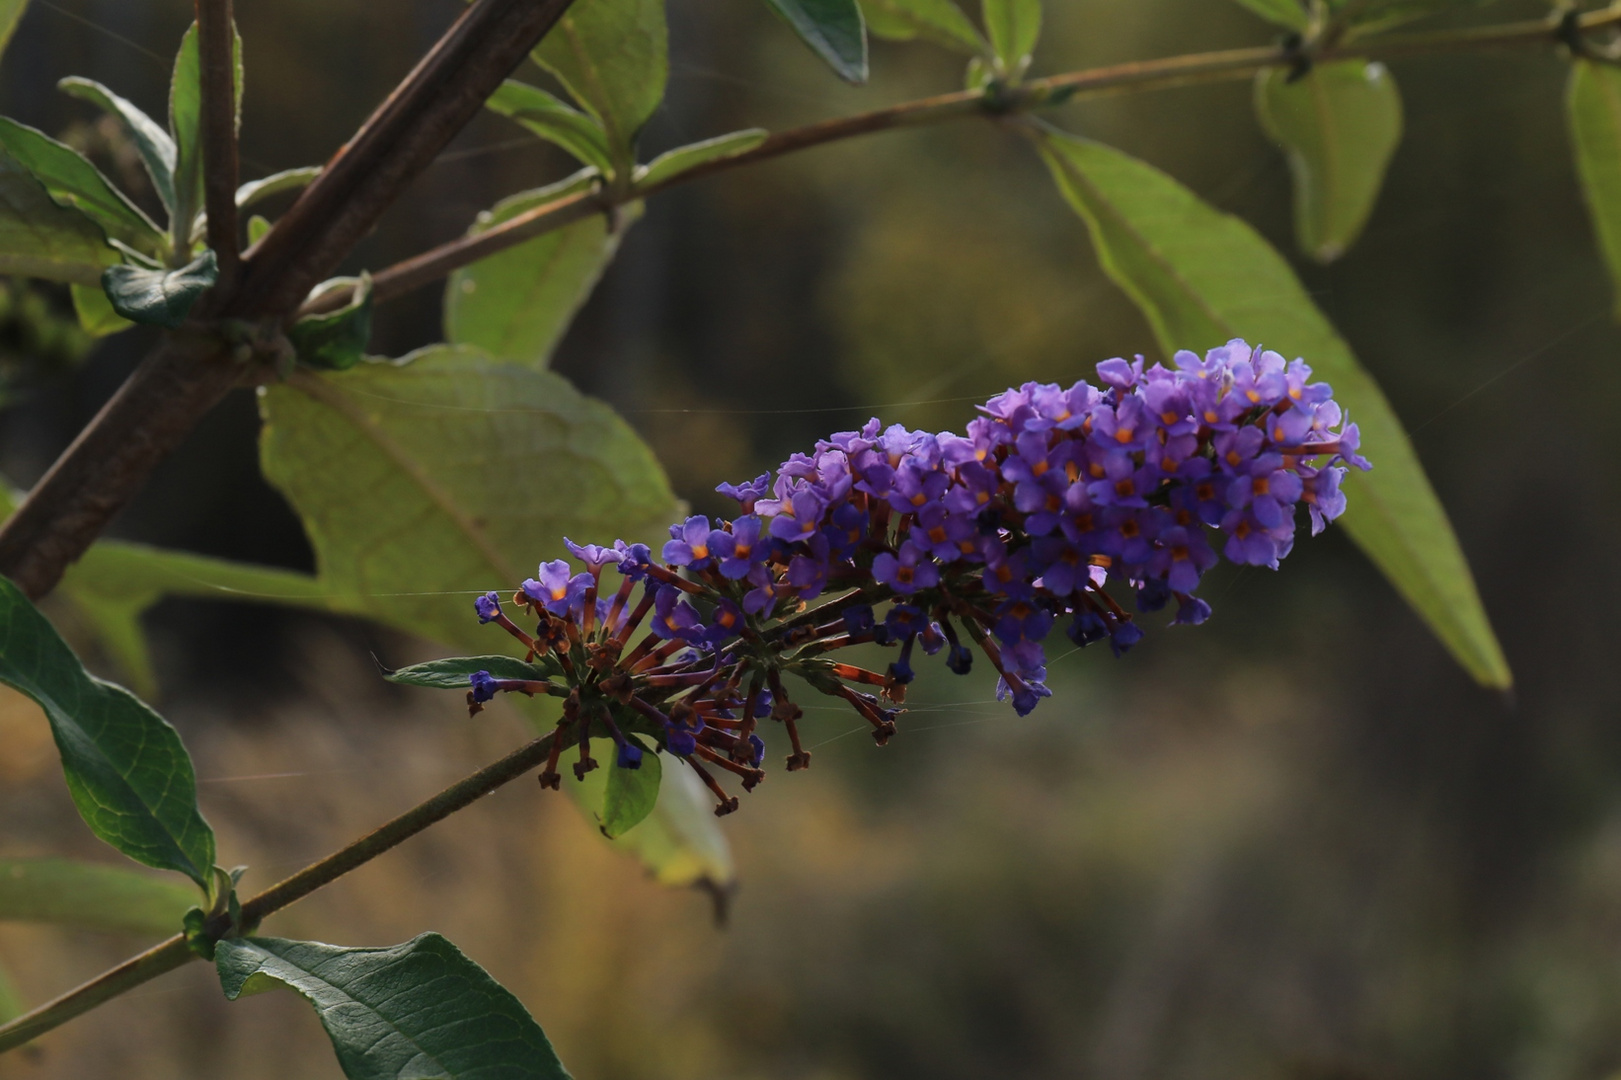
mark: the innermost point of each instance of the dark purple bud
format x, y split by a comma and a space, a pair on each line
1153, 595
484, 686
630, 755
858, 619
960, 660
1124, 635
757, 744
488, 607
1087, 628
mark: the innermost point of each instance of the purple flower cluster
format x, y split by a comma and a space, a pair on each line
1006, 532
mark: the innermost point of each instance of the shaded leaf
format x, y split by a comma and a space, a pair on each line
127, 771
1200, 277
517, 303
941, 22
91, 896
1593, 105
452, 672
1339, 126
12, 1004
95, 311
455, 472
555, 121
11, 12
40, 238
680, 840
159, 297
833, 29
335, 340
1014, 27
1367, 16
409, 1012
672, 163
115, 581
157, 149
612, 56
630, 794
255, 191
258, 226
185, 126
70, 178
1288, 13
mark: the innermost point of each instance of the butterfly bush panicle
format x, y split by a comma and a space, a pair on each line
987, 541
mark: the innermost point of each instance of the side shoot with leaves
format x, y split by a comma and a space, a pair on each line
251, 306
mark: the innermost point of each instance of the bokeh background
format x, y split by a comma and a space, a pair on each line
1294, 843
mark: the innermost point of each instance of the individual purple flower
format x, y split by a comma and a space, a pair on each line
1087, 628
915, 486
1350, 441
594, 557
630, 755
1248, 541
1190, 611
748, 492
798, 515
1322, 496
740, 550
907, 571
724, 622
1020, 620
761, 599
756, 750
484, 686
673, 617
1180, 558
488, 607
633, 559
1123, 635
846, 528
680, 740
557, 590
1270, 492
944, 535
691, 542
807, 571
902, 621
1119, 374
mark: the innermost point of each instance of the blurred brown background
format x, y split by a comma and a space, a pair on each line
1296, 843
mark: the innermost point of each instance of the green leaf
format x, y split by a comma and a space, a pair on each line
451, 471
185, 125
1014, 27
156, 147
1201, 277
1339, 126
941, 22
12, 1004
1283, 12
409, 1012
41, 238
680, 841
672, 163
631, 793
126, 769
336, 340
115, 581
91, 896
258, 226
517, 303
833, 29
11, 12
555, 121
159, 297
612, 56
95, 311
452, 672
1593, 105
1367, 16
75, 181
255, 191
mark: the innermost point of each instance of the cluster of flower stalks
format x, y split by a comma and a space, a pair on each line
906, 539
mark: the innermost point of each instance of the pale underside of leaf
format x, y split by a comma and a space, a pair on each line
91, 896
1593, 105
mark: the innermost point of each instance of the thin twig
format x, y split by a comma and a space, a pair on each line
216, 32
431, 265
174, 953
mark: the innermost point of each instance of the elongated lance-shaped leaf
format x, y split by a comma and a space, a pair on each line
1367, 16
255, 191
452, 672
1593, 104
410, 1012
126, 769
556, 121
1200, 277
613, 57
11, 12
91, 896
941, 22
672, 163
1014, 27
185, 125
517, 303
451, 471
159, 297
41, 238
157, 149
11, 1000
834, 30
72, 179
1339, 124
1290, 13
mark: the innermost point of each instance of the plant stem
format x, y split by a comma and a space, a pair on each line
189, 374
173, 953
423, 269
440, 96
216, 31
